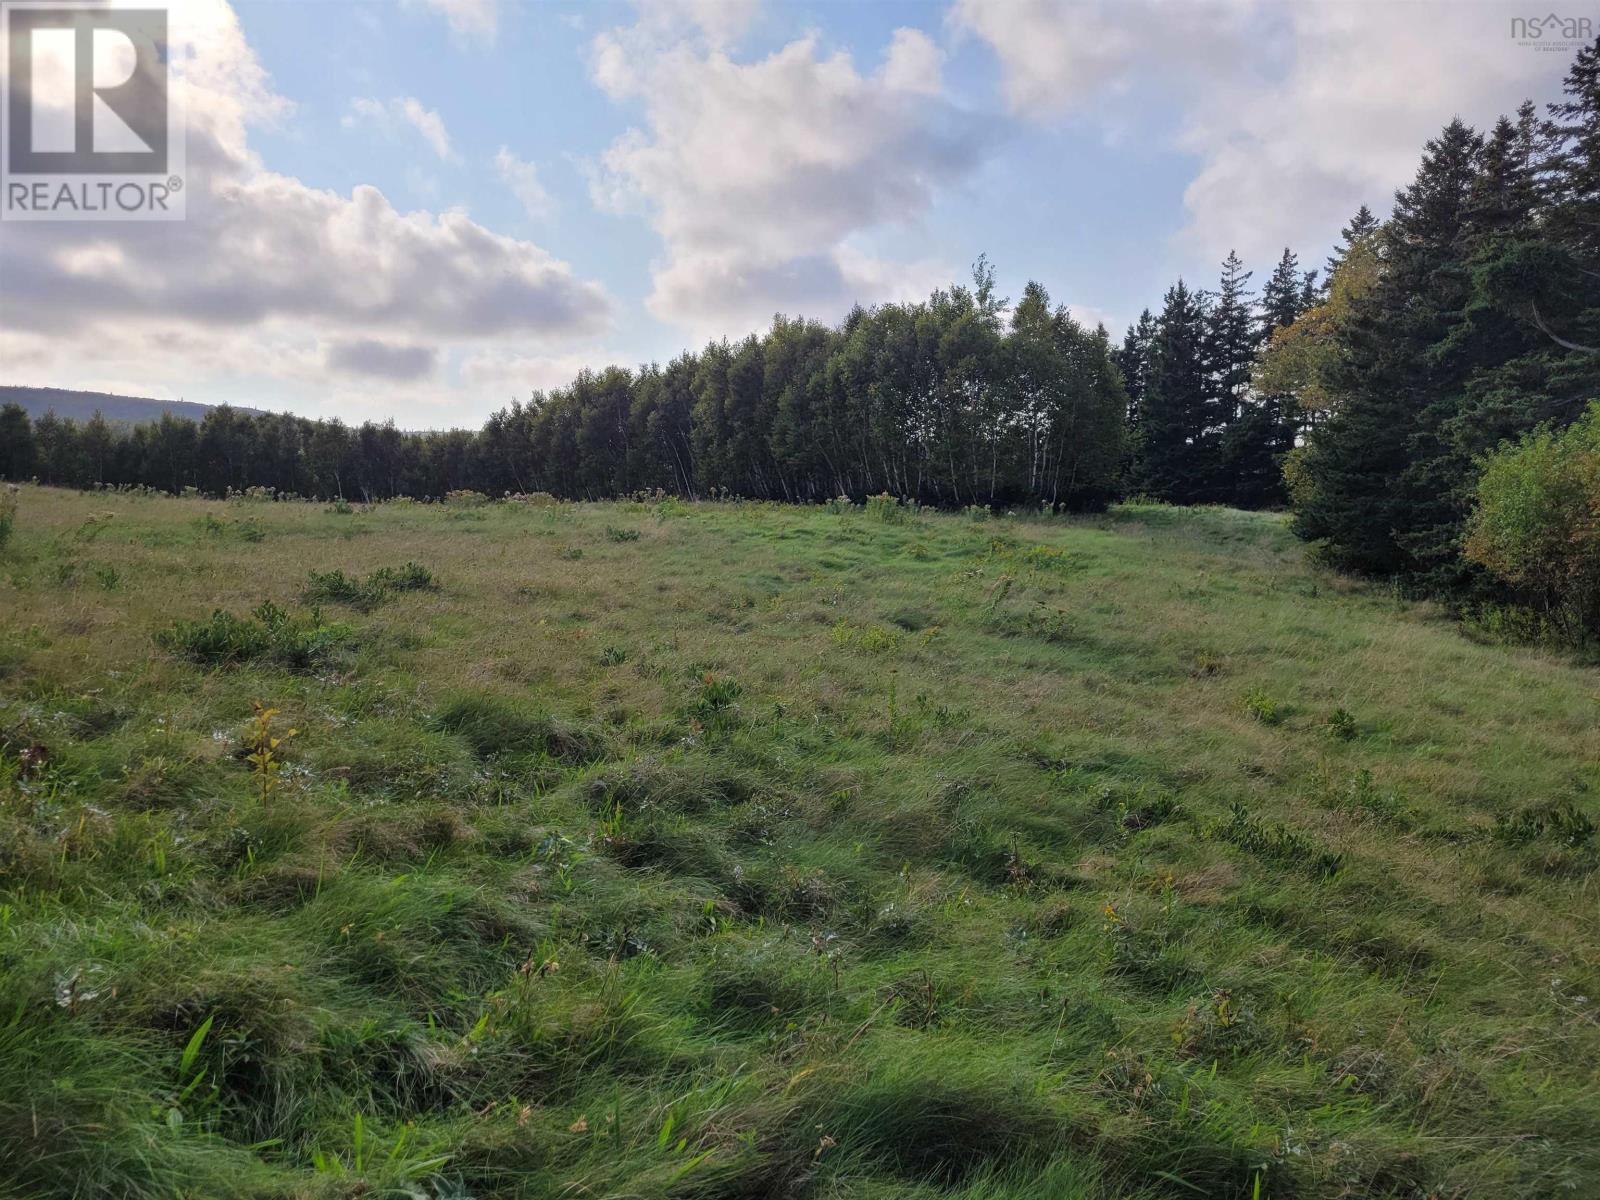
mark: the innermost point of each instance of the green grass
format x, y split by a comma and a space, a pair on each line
735, 850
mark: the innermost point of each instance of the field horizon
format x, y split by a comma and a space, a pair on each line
737, 849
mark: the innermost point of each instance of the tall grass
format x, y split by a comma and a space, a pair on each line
776, 852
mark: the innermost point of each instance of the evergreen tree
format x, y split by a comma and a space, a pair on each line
1283, 296
1573, 179
16, 443
1362, 226
1262, 435
1366, 475
1231, 342
1535, 311
1177, 459
1135, 358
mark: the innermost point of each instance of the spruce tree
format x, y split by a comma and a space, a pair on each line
1362, 225
1136, 360
1254, 447
16, 442
1177, 445
1248, 428
1283, 296
1536, 302
1231, 343
1368, 493
1573, 179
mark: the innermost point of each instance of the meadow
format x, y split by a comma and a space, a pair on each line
652, 849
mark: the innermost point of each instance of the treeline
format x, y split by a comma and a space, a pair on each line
1200, 429
946, 401
1470, 318
961, 399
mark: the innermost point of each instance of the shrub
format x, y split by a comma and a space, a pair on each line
887, 509
1274, 843
246, 529
1563, 823
714, 700
1263, 707
1537, 522
8, 514
621, 535
269, 633
1342, 725
413, 577
336, 587
221, 640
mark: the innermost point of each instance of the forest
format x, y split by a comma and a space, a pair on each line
1409, 400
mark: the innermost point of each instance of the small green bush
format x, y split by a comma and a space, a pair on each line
1263, 707
1274, 843
1562, 823
269, 633
887, 509
714, 700
8, 514
1341, 725
335, 587
1537, 522
246, 529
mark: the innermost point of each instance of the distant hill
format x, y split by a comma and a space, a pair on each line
82, 405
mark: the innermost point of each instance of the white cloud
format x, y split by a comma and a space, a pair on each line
1289, 163
271, 282
402, 110
523, 180
470, 20
763, 177
1052, 55
1057, 55
1297, 114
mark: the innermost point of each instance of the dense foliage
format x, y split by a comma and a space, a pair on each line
944, 402
1469, 318
950, 402
1537, 522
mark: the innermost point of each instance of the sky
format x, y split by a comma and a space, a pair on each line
424, 209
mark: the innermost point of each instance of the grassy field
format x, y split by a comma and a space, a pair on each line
643, 850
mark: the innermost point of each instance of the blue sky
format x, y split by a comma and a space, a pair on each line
424, 208
1056, 201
